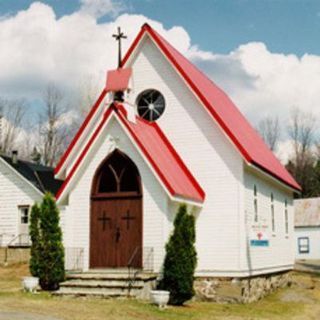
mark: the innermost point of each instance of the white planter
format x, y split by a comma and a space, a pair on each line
30, 283
160, 297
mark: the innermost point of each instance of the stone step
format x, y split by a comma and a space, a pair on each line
94, 291
79, 283
110, 276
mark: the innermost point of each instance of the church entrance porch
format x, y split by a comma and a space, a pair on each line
116, 214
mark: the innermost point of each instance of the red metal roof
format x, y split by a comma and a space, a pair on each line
157, 150
118, 79
223, 110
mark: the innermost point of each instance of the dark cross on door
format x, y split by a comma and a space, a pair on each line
104, 220
127, 217
120, 35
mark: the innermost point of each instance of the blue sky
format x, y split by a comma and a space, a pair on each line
288, 26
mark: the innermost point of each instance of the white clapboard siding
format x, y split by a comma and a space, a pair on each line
222, 223
207, 152
15, 191
154, 197
280, 252
313, 234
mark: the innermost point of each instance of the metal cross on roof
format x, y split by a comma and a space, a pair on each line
118, 36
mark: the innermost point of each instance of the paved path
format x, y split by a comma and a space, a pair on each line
23, 316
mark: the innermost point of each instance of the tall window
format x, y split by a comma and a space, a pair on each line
24, 214
272, 213
255, 203
286, 216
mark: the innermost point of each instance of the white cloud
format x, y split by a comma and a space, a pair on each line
100, 8
37, 47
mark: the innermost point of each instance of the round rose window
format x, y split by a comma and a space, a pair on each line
150, 105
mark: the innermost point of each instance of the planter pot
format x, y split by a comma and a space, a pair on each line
30, 283
160, 297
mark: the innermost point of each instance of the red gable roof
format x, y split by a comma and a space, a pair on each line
223, 110
157, 150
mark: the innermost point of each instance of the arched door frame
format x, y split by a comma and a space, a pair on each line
117, 198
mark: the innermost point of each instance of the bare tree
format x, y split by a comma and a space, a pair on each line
302, 131
12, 114
270, 131
52, 130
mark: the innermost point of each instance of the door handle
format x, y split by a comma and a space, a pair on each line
118, 234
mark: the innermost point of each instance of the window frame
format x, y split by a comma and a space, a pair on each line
273, 219
302, 245
286, 217
22, 217
255, 203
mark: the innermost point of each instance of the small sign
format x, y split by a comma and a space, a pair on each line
259, 243
259, 238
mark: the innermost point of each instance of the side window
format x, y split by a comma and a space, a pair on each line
273, 225
286, 216
24, 214
303, 245
255, 203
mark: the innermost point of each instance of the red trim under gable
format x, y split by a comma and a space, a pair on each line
197, 194
83, 153
80, 131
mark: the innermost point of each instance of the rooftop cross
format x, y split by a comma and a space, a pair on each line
120, 35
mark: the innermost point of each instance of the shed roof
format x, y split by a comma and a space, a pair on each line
307, 212
40, 176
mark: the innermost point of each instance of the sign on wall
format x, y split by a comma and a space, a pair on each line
259, 236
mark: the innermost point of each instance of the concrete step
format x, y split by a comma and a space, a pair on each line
110, 276
78, 292
108, 283
79, 283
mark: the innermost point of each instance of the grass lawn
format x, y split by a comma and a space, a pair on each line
300, 301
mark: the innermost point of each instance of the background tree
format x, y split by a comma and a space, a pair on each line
269, 129
181, 259
35, 250
302, 130
52, 131
12, 113
51, 262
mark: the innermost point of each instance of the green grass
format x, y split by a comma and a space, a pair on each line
272, 307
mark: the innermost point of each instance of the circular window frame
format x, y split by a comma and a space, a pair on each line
137, 106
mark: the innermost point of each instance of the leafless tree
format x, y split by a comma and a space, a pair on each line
12, 114
302, 131
270, 131
52, 130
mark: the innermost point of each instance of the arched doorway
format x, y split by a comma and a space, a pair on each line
116, 214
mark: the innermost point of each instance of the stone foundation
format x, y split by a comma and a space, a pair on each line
239, 290
14, 255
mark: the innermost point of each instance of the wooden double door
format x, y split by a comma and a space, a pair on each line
116, 214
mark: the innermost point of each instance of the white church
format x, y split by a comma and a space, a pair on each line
162, 134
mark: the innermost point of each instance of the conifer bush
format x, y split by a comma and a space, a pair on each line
35, 240
181, 259
47, 254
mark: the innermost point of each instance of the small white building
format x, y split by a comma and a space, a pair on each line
307, 228
22, 184
176, 138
